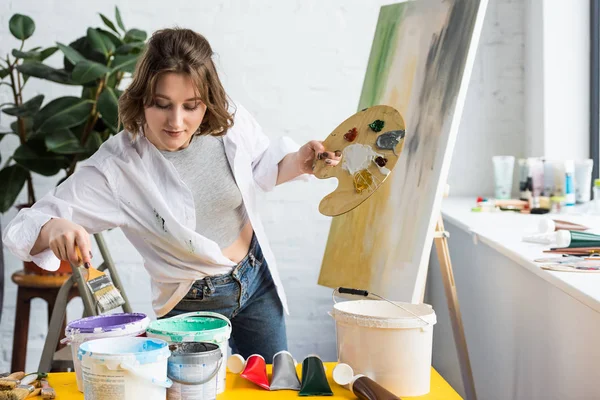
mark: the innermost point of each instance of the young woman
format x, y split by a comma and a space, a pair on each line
180, 181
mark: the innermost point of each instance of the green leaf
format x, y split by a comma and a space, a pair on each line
119, 20
72, 55
63, 112
39, 161
113, 38
124, 63
108, 106
135, 47
3, 73
63, 141
27, 109
48, 52
27, 55
100, 42
28, 127
21, 26
135, 35
84, 48
39, 70
93, 143
108, 23
87, 71
12, 180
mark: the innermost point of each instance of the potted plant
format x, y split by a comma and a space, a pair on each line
54, 135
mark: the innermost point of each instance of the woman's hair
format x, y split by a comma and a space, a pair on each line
180, 51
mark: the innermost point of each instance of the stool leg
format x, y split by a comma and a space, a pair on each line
51, 300
21, 331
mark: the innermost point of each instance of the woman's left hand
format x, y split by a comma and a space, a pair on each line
312, 151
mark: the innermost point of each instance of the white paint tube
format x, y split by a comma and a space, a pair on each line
569, 184
503, 176
583, 180
523, 172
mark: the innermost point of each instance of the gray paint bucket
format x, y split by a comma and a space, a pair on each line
194, 368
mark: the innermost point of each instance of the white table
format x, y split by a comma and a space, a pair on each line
532, 333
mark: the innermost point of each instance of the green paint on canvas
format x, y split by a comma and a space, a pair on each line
382, 54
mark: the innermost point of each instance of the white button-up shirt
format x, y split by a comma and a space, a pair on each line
129, 184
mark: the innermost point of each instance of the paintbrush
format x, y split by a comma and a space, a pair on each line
47, 392
104, 291
19, 393
11, 381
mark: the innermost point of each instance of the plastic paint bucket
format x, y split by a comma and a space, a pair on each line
124, 368
194, 369
201, 326
102, 326
386, 343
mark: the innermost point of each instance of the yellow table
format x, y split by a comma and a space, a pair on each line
239, 388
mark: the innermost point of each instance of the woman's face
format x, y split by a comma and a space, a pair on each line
176, 113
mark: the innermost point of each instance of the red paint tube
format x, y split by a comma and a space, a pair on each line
256, 371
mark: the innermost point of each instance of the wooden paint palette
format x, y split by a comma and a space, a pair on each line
365, 160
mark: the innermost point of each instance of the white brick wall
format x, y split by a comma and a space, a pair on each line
298, 66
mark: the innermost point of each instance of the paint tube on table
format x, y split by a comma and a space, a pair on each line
569, 182
576, 239
583, 180
284, 372
365, 388
343, 374
236, 363
523, 173
314, 380
503, 176
256, 371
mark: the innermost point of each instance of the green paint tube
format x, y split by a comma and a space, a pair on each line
574, 239
314, 380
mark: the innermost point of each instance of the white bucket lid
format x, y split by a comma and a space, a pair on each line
382, 314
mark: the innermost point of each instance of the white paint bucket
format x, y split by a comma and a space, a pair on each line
201, 326
99, 327
124, 368
390, 345
194, 369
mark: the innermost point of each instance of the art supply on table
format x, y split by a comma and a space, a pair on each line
100, 327
583, 180
201, 326
576, 239
314, 380
20, 392
575, 251
365, 388
194, 369
541, 238
405, 330
284, 375
342, 374
105, 293
125, 368
236, 363
523, 174
47, 392
596, 200
581, 266
546, 225
503, 176
569, 183
255, 371
558, 260
370, 143
11, 381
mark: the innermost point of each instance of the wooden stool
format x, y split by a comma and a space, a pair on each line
32, 286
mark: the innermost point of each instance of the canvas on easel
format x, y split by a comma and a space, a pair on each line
420, 64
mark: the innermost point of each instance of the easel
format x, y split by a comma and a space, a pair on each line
441, 245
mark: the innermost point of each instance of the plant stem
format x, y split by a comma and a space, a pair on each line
87, 130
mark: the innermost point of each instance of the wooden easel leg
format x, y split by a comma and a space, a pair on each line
441, 246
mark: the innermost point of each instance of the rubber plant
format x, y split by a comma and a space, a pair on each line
55, 134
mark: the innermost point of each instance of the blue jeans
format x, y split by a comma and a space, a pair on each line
248, 297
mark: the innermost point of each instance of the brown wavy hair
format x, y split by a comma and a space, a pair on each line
181, 51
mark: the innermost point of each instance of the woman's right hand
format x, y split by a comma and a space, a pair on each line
63, 235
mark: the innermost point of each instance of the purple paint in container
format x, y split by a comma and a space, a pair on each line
99, 327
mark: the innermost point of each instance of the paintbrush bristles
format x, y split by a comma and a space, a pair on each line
11, 381
19, 393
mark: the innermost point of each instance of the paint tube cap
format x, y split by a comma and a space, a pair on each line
546, 225
343, 374
597, 182
563, 238
236, 363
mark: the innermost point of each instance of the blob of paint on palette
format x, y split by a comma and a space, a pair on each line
370, 143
